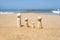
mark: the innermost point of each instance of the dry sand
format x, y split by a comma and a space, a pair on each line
9, 30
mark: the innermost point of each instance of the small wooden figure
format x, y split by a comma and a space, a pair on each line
33, 24
26, 22
39, 22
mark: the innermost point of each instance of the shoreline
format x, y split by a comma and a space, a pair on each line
30, 12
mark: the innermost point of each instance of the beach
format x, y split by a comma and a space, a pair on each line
9, 30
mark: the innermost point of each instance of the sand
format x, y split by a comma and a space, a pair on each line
9, 30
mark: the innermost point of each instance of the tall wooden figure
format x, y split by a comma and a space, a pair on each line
18, 20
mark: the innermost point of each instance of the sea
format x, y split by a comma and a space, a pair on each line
15, 11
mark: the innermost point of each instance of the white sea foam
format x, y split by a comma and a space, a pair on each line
6, 12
